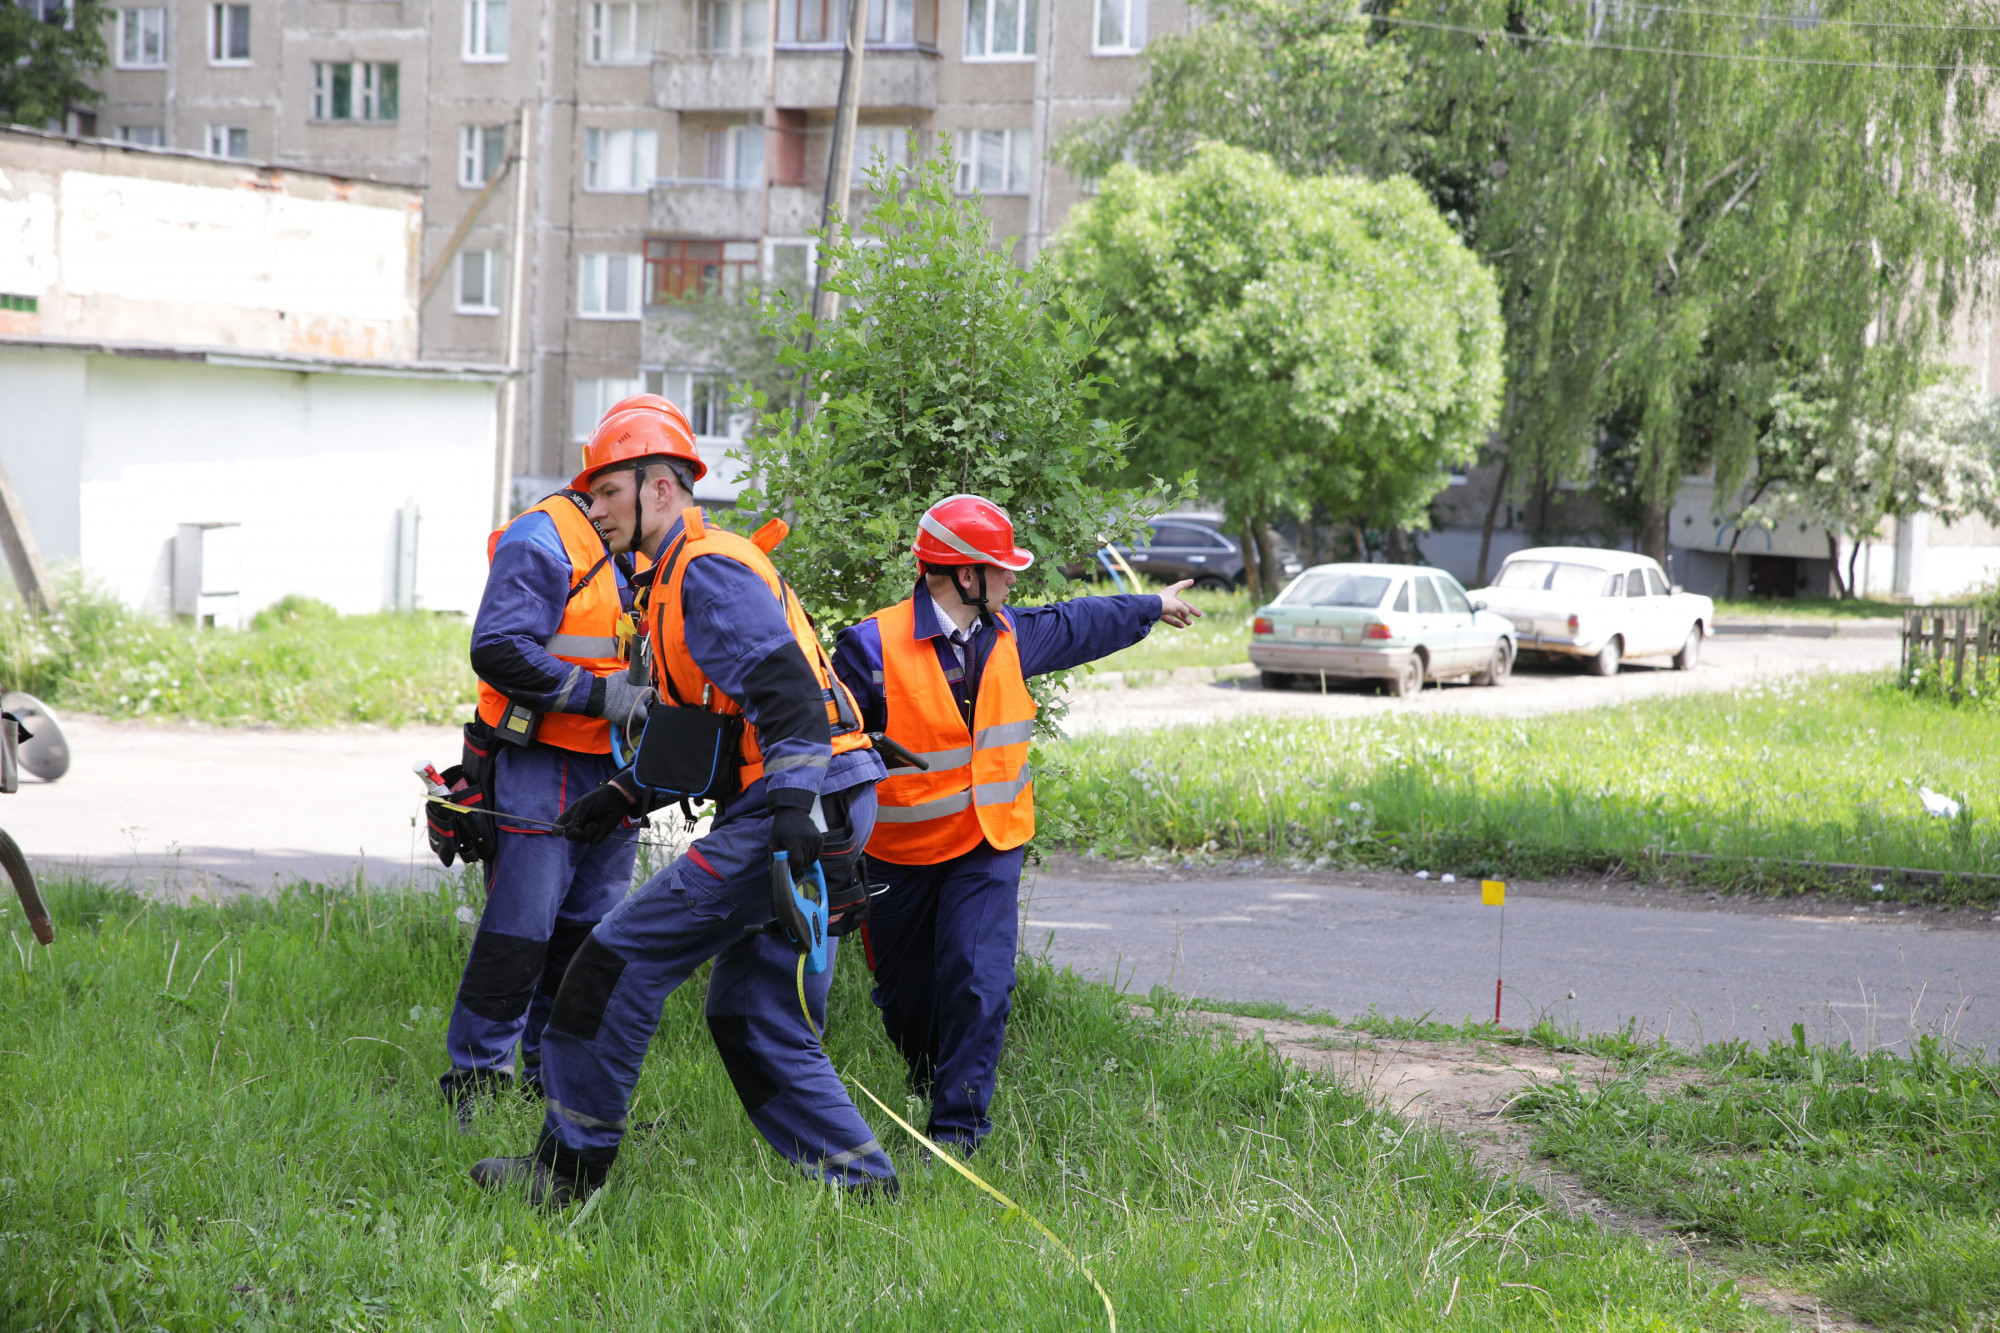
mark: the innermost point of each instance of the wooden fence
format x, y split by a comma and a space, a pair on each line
1949, 638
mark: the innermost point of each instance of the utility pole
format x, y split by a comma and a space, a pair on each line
840, 162
503, 462
24, 557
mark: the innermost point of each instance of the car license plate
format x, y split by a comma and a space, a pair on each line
1318, 634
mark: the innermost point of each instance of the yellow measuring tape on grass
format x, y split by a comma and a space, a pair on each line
950, 1159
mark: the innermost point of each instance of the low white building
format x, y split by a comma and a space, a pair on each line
208, 391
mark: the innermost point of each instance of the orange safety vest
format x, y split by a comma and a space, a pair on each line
979, 786
589, 633
672, 660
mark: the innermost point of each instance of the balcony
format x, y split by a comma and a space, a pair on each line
724, 211
892, 79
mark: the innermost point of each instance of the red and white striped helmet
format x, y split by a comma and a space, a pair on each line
966, 530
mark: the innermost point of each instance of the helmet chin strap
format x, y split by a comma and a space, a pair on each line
977, 603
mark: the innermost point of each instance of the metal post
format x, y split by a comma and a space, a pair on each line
24, 557
503, 462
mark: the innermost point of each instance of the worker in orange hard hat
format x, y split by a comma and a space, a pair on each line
746, 687
944, 673
551, 647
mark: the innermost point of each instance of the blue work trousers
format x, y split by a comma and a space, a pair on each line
696, 909
544, 895
941, 942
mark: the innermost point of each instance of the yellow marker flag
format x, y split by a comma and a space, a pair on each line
1493, 892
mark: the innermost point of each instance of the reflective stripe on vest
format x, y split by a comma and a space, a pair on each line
587, 636
979, 787
692, 685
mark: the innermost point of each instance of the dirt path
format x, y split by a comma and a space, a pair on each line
1462, 1088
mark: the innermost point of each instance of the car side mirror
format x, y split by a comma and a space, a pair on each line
1675, 588
1478, 604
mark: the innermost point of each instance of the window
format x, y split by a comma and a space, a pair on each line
608, 287
593, 396
1427, 598
703, 396
485, 31
890, 23
1180, 537
478, 283
824, 22
874, 144
1000, 29
142, 39
358, 90
621, 34
1121, 28
1656, 583
677, 269
145, 136
994, 161
481, 150
227, 141
736, 156
1402, 602
1635, 583
731, 27
620, 161
229, 34
49, 11
1355, 590
1454, 598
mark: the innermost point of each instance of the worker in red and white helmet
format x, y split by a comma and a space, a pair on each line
944, 673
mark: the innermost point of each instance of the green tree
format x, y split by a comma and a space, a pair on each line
1302, 343
947, 370
45, 61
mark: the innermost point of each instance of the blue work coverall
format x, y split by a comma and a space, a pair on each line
700, 907
942, 939
543, 893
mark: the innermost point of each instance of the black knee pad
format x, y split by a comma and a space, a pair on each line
587, 984
500, 976
564, 941
732, 1043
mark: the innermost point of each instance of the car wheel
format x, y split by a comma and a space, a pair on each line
1606, 661
1690, 652
1211, 584
1275, 680
1408, 683
1500, 667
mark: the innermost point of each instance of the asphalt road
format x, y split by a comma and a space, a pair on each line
1583, 956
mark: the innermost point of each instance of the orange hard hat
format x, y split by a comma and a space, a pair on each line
636, 434
651, 402
966, 530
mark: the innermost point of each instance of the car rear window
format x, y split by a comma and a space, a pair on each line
1555, 575
1524, 574
1363, 590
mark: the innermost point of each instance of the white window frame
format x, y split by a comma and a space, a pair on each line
891, 141
364, 96
220, 27
740, 40
478, 46
1127, 11
477, 160
1016, 163
224, 135
597, 296
487, 263
982, 18
623, 32
739, 170
142, 24
703, 394
592, 394
612, 156
154, 136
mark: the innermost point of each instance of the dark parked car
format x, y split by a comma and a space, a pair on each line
1190, 548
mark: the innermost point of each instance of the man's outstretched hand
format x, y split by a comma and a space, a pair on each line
1175, 611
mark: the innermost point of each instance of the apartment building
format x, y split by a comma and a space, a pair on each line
674, 146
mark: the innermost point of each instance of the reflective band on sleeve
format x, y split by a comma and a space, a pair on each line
1005, 733
1000, 793
795, 761
867, 1149
581, 645
917, 814
579, 1118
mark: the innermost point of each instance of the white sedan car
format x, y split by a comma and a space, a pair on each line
1602, 606
1403, 624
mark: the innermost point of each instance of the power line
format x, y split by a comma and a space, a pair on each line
1804, 20
1556, 39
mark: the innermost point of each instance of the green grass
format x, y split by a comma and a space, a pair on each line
258, 1144
1220, 638
1875, 1178
298, 665
1803, 769
1807, 608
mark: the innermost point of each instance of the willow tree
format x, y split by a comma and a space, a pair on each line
1324, 340
1689, 208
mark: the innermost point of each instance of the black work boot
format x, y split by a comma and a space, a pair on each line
467, 1091
546, 1189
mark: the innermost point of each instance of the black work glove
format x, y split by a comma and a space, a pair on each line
595, 815
793, 831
